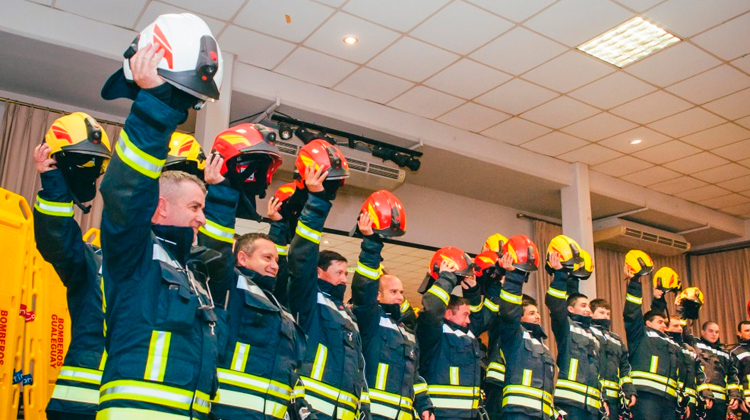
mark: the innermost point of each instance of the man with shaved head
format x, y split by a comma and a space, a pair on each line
391, 354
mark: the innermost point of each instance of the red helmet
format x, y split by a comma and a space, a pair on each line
244, 142
292, 200
524, 253
324, 155
455, 257
485, 263
387, 212
285, 191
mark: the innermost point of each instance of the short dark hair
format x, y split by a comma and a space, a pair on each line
325, 258
739, 326
246, 243
706, 324
456, 302
600, 303
574, 297
650, 315
528, 300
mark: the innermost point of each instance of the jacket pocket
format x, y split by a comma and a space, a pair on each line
177, 304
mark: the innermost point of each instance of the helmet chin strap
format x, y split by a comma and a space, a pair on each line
86, 209
245, 201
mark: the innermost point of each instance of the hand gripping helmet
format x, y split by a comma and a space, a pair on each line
387, 213
321, 154
192, 59
292, 201
82, 151
455, 257
185, 154
524, 252
487, 268
494, 243
638, 263
250, 160
585, 269
689, 302
567, 249
667, 279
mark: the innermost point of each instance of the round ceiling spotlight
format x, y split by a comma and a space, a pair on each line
636, 141
350, 40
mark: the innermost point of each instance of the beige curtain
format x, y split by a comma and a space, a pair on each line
724, 278
24, 128
543, 234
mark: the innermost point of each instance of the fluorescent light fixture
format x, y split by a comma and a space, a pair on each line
629, 42
350, 40
636, 141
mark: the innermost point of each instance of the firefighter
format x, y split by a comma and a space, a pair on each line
161, 338
391, 354
449, 349
741, 357
530, 369
654, 357
578, 392
75, 153
333, 368
260, 346
721, 373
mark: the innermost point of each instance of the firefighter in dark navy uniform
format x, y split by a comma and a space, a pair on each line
74, 155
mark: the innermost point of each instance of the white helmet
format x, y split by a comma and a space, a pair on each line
192, 59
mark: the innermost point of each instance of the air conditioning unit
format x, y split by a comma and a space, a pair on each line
365, 174
624, 235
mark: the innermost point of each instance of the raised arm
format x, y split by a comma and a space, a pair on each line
279, 234
366, 281
635, 327
430, 321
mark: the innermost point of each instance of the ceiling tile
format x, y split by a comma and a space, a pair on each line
718, 136
740, 184
717, 40
526, 48
515, 11
395, 14
44, 2
269, 17
667, 152
412, 59
651, 176
329, 38
743, 63
648, 138
334, 3
477, 28
741, 210
516, 131
568, 71
120, 13
639, 5
573, 22
425, 102
560, 112
599, 126
314, 67
373, 85
687, 122
735, 151
156, 8
733, 106
703, 193
673, 64
612, 90
745, 122
516, 96
622, 166
591, 154
678, 185
554, 144
254, 48
467, 79
473, 117
651, 107
687, 18
715, 83
695, 163
723, 173
223, 10
726, 201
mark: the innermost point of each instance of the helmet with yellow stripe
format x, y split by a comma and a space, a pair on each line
567, 249
387, 213
495, 243
667, 279
689, 302
638, 263
524, 253
185, 154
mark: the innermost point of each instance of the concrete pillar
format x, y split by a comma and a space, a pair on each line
576, 218
214, 117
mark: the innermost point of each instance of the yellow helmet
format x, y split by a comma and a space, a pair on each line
567, 249
584, 270
667, 279
693, 294
494, 243
78, 133
638, 263
185, 154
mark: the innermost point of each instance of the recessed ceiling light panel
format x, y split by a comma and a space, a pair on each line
629, 42
350, 40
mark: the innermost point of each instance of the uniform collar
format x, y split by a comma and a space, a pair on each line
716, 345
604, 324
264, 282
676, 337
582, 321
176, 239
535, 330
335, 292
455, 326
393, 310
